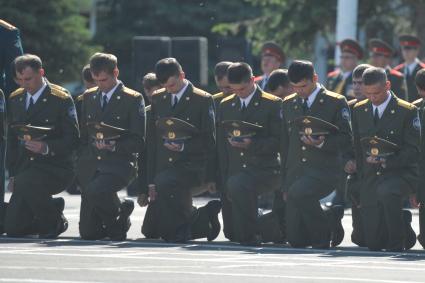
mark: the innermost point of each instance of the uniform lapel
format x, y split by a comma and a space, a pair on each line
389, 114
184, 101
40, 103
318, 102
253, 104
113, 101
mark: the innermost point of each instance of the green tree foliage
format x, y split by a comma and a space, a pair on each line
53, 30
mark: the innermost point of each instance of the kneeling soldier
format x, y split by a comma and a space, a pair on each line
389, 172
43, 133
112, 133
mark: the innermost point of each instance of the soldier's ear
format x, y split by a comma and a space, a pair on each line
315, 78
387, 85
41, 72
116, 72
182, 75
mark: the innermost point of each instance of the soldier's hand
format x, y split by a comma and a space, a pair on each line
211, 187
11, 184
142, 200
413, 201
102, 145
174, 146
309, 140
39, 147
152, 193
350, 167
240, 144
375, 160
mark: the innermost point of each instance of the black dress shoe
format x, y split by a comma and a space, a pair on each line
255, 241
59, 203
61, 227
183, 234
213, 208
337, 231
409, 234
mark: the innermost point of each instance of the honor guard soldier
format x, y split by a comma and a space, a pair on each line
42, 135
10, 48
249, 145
307, 179
420, 103
278, 83
340, 80
410, 46
272, 58
381, 54
177, 170
112, 134
386, 139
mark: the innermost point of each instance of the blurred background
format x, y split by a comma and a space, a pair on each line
64, 33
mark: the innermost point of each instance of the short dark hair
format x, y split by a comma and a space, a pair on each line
359, 70
86, 74
149, 81
373, 76
278, 77
220, 70
420, 79
239, 72
167, 68
27, 60
300, 70
103, 62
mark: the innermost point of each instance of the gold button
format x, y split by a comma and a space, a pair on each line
392, 132
170, 159
378, 173
99, 157
244, 165
242, 154
303, 148
31, 158
304, 159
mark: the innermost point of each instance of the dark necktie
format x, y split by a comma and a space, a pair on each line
305, 106
375, 116
243, 107
30, 105
104, 102
175, 101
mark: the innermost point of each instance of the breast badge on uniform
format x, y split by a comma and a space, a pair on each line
72, 112
417, 123
345, 114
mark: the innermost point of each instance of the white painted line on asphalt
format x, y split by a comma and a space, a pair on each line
22, 280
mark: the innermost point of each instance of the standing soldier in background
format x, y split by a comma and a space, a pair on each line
178, 168
386, 142
112, 134
10, 48
307, 178
420, 103
340, 80
381, 54
272, 58
410, 45
249, 144
42, 135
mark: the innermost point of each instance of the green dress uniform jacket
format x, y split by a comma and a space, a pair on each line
195, 107
302, 160
125, 110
